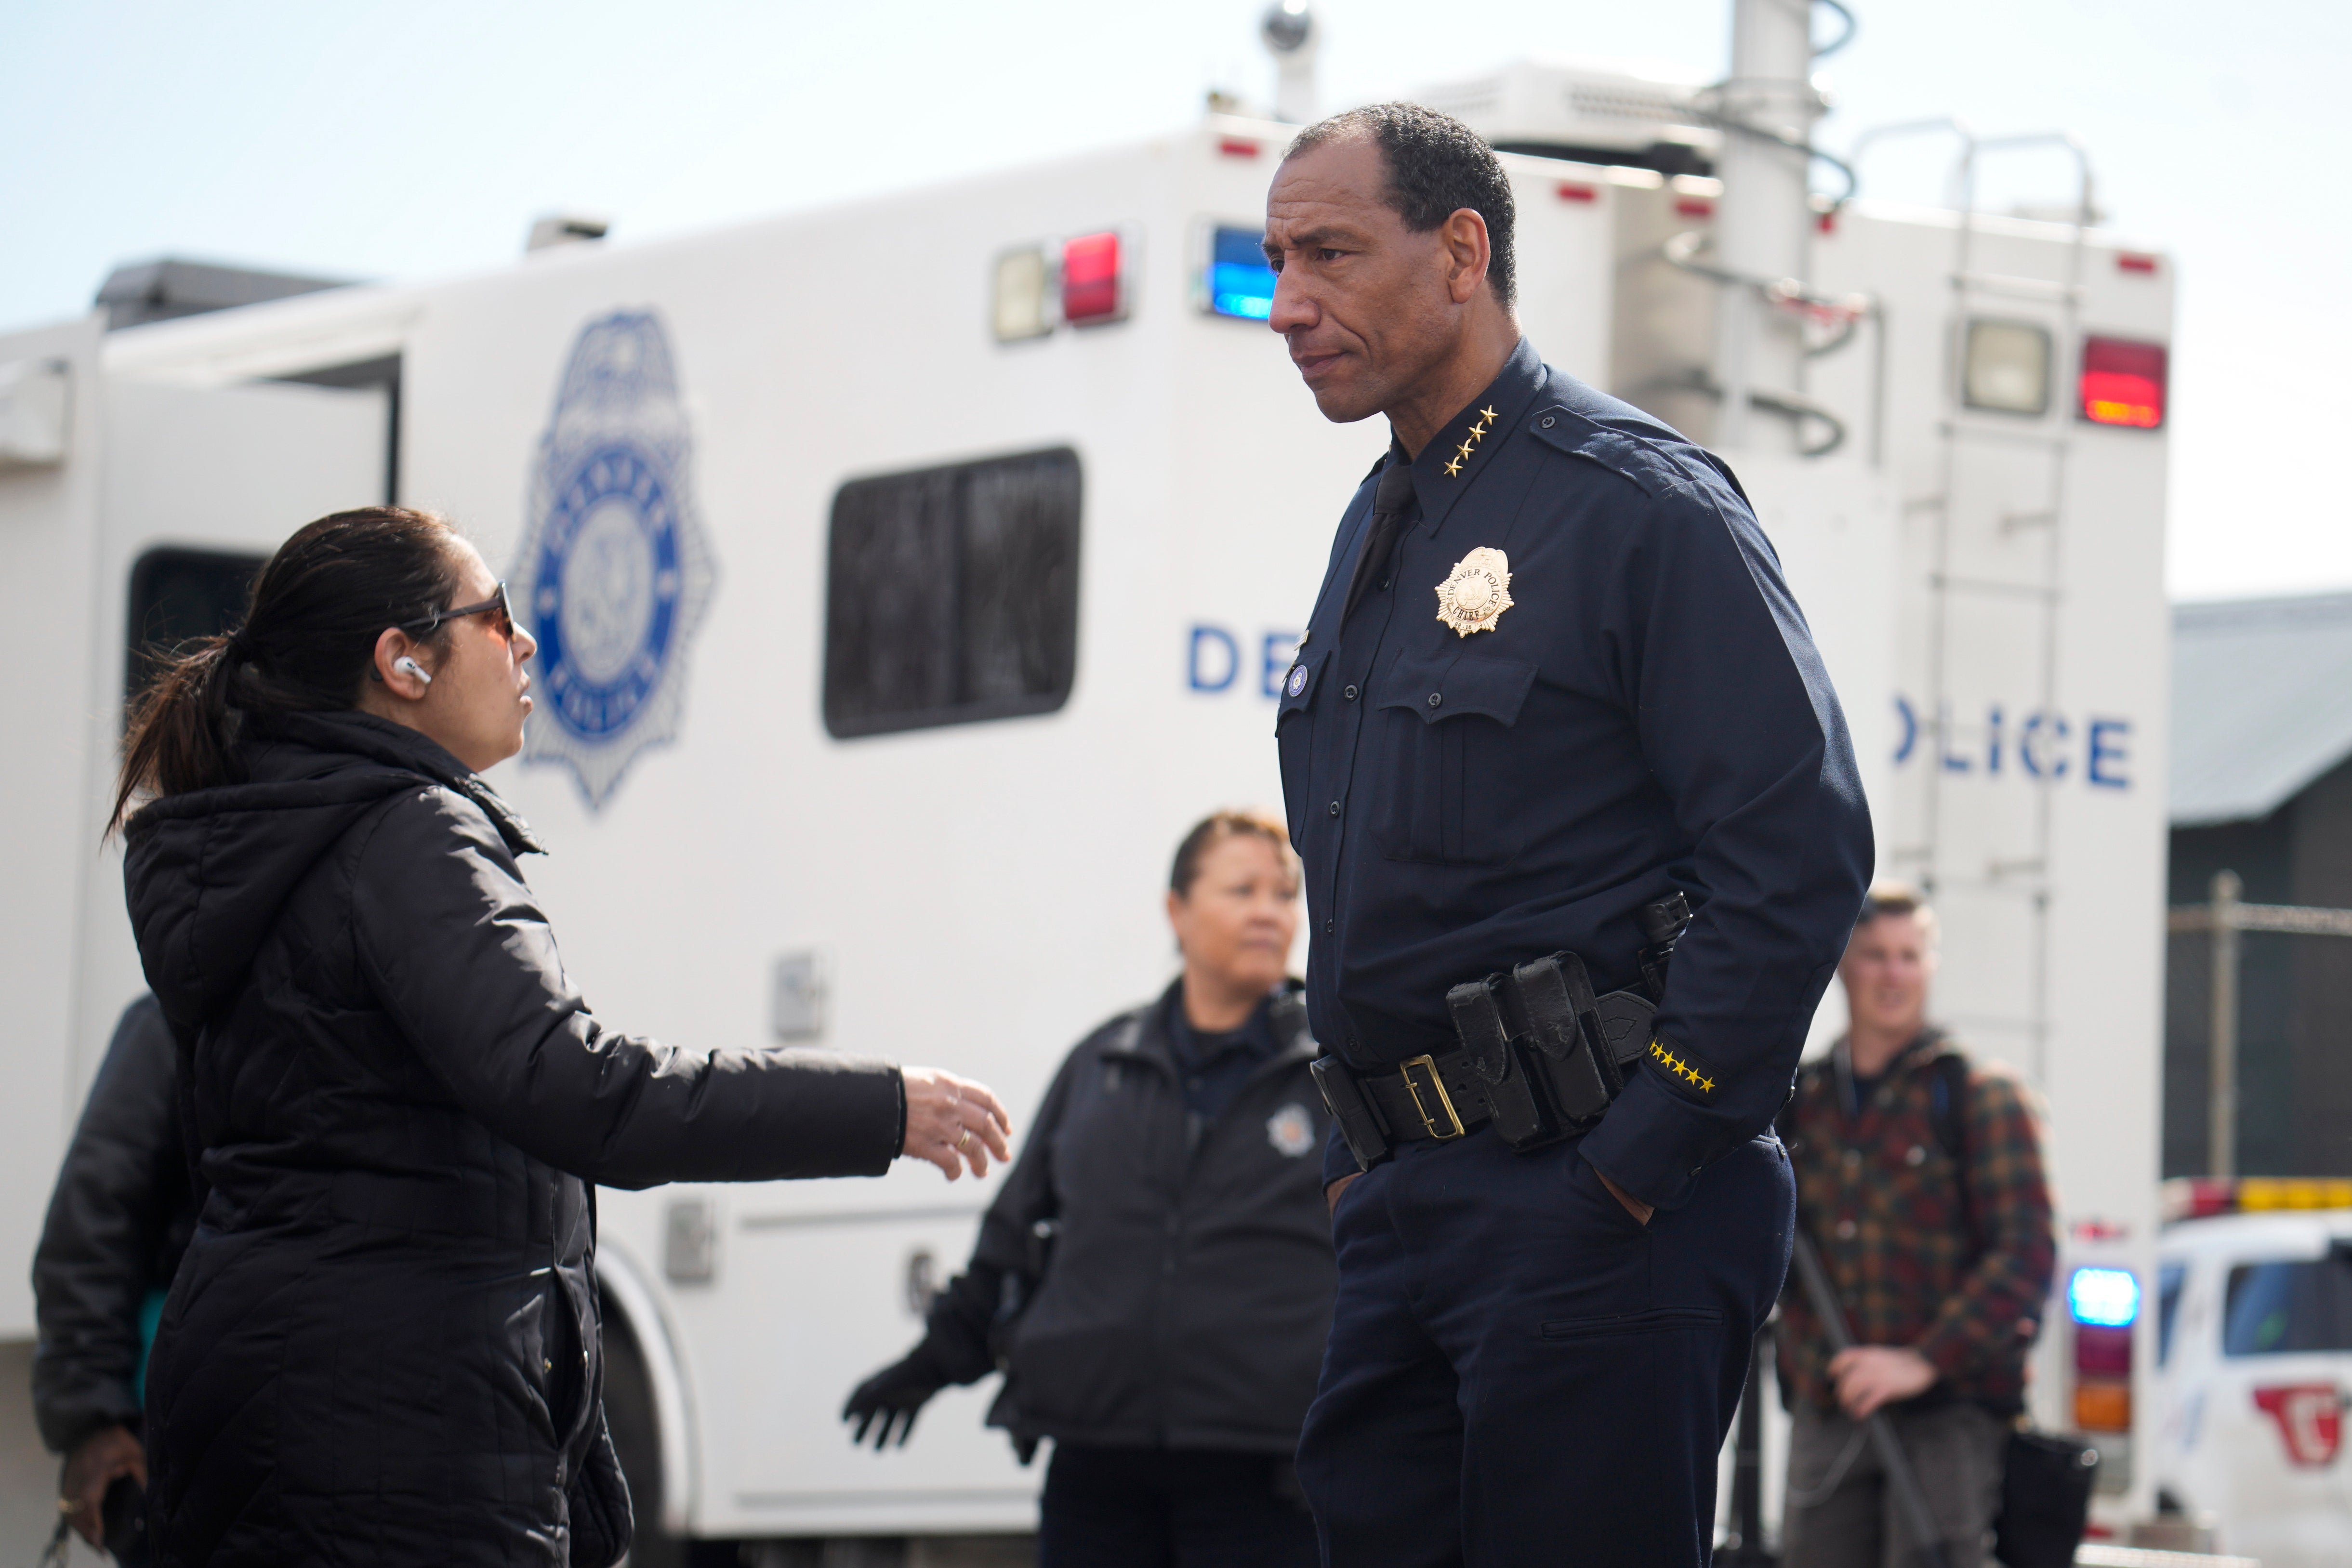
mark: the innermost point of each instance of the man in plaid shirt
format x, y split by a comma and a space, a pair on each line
1920, 1178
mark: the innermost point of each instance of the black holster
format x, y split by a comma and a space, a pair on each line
1544, 1053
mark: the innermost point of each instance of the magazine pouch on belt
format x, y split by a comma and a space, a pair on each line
1562, 1030
1485, 1039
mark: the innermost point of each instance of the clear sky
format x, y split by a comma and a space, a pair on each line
374, 139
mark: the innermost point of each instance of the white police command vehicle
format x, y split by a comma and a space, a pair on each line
897, 618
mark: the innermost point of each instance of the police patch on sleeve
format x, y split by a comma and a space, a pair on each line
615, 573
1291, 1131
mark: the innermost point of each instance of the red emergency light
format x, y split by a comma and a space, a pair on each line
1694, 206
1237, 147
1571, 191
2123, 383
1092, 283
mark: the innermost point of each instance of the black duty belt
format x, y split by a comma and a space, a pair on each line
1540, 1057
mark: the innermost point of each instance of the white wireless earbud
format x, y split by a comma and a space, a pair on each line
408, 666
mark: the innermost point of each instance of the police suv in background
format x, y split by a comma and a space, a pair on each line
2253, 1355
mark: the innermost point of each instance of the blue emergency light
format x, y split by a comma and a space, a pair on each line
2105, 1298
1240, 282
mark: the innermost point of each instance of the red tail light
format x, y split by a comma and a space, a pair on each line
2123, 383
2102, 1352
2310, 1418
1091, 284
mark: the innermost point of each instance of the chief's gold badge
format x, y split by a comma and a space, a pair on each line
1474, 597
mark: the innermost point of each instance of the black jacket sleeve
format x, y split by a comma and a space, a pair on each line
117, 1222
461, 956
1740, 727
958, 1329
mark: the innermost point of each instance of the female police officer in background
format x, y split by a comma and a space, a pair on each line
382, 1344
1156, 1277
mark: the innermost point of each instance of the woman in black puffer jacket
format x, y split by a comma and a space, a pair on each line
1155, 1278
382, 1344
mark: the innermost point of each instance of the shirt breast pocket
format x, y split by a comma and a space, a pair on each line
1294, 729
1446, 735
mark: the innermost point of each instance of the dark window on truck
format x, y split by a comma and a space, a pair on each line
951, 594
2277, 1308
178, 596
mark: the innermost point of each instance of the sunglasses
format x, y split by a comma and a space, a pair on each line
495, 606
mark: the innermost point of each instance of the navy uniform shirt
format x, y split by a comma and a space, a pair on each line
1649, 715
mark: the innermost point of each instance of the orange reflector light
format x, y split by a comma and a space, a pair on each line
2103, 1406
2123, 383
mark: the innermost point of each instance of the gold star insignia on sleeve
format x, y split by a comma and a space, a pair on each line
1453, 467
1463, 450
1486, 413
1680, 1069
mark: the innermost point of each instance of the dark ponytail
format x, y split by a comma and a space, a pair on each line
306, 645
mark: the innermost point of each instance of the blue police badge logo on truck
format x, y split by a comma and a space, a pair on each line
616, 573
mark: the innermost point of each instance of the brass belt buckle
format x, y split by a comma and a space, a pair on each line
1438, 1085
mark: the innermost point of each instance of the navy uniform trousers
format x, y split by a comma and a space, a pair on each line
1519, 1373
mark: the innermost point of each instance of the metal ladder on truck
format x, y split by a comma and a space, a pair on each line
1965, 439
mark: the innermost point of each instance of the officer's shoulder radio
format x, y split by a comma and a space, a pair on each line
1540, 1056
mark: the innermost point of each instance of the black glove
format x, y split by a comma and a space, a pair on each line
893, 1396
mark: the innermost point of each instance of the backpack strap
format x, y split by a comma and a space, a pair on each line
1948, 1106
1947, 1111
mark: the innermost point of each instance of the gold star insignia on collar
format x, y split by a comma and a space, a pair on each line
1477, 433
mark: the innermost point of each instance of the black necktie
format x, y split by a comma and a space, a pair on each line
1391, 502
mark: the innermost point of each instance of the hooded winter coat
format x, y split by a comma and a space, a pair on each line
382, 1344
1187, 1290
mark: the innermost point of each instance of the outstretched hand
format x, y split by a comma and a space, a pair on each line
892, 1397
954, 1121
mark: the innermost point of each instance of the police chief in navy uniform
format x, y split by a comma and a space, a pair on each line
1553, 678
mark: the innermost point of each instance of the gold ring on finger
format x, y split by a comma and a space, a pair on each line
964, 1138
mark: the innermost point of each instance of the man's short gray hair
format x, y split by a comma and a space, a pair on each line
1437, 166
